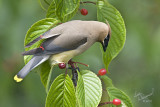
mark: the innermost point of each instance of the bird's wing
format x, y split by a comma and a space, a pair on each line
58, 45
46, 35
54, 32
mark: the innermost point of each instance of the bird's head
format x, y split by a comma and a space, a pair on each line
105, 36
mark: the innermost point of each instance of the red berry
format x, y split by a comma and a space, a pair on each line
62, 65
102, 72
116, 101
84, 12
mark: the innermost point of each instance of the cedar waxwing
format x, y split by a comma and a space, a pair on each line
65, 41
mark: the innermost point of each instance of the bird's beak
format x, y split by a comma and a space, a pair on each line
105, 42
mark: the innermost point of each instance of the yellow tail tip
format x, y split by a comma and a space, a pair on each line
17, 79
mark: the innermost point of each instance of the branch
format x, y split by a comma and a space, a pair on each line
101, 104
74, 72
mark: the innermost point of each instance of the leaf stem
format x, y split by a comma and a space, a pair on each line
41, 5
101, 104
88, 2
48, 80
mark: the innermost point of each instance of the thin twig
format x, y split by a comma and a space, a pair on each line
101, 104
81, 63
66, 72
88, 2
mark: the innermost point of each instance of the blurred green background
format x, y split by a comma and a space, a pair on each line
136, 70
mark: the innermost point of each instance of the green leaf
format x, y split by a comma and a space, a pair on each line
45, 74
106, 81
46, 2
80, 91
65, 9
89, 89
35, 31
61, 93
51, 12
116, 93
105, 98
106, 11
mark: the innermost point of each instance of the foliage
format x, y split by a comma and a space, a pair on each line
106, 12
61, 93
89, 87
113, 92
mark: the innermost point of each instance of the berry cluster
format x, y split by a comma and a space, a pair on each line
100, 72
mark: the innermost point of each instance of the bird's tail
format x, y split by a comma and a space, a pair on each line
34, 62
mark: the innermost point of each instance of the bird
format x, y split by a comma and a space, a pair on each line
64, 42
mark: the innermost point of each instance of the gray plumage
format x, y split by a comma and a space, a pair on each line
34, 62
66, 41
